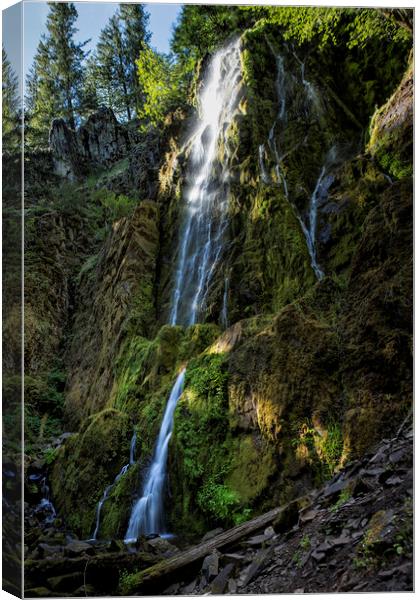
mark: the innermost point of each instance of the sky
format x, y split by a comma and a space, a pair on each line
93, 17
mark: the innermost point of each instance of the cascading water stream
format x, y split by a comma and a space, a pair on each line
206, 197
324, 180
133, 448
45, 508
321, 188
147, 514
110, 487
199, 252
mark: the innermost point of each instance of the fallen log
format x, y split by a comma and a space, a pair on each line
161, 572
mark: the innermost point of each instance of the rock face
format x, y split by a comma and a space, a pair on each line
100, 142
128, 161
65, 151
120, 281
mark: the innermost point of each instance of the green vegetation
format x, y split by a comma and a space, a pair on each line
344, 496
305, 542
11, 107
44, 404
55, 85
331, 26
50, 455
111, 74
200, 29
116, 206
165, 84
325, 448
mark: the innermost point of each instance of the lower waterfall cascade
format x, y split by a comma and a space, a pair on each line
147, 515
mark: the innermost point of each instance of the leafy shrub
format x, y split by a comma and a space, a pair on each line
116, 206
217, 500
50, 455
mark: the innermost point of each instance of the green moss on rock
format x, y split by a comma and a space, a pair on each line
78, 482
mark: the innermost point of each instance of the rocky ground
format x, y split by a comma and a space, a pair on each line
354, 534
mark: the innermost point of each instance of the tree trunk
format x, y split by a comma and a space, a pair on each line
160, 575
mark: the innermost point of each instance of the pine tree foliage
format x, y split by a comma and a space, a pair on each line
201, 28
137, 37
67, 57
11, 112
112, 72
42, 98
54, 85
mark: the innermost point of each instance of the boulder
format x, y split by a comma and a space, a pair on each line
210, 566
162, 546
76, 548
66, 583
218, 585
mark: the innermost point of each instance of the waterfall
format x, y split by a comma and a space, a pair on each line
206, 196
200, 248
324, 180
45, 508
110, 487
147, 514
224, 312
321, 188
133, 448
265, 176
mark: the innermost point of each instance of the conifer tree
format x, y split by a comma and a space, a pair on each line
91, 98
67, 56
54, 86
11, 106
137, 37
112, 64
113, 72
42, 98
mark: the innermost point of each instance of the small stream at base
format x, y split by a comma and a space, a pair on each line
45, 508
110, 487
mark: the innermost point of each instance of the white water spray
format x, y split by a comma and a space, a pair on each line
147, 515
206, 198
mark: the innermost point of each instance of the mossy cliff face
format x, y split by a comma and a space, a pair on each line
315, 384
116, 300
391, 140
310, 373
105, 436
59, 238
